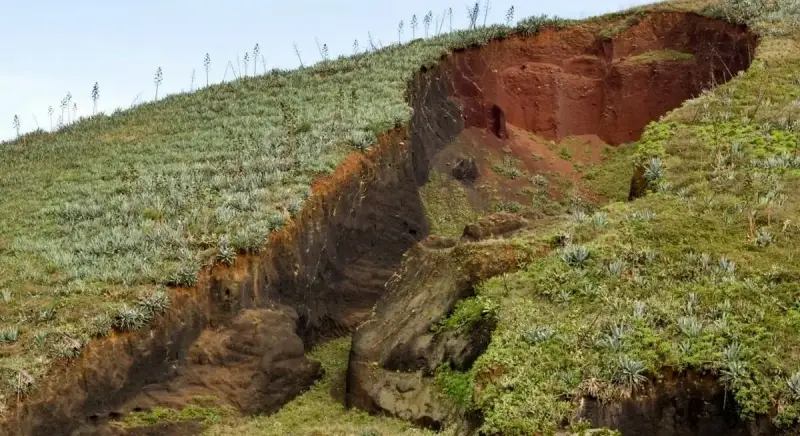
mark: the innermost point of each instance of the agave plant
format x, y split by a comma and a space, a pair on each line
654, 170
538, 335
733, 374
9, 334
155, 303
793, 384
690, 326
726, 266
226, 253
575, 255
615, 267
630, 372
599, 219
563, 296
645, 215
639, 309
578, 216
763, 237
732, 353
130, 319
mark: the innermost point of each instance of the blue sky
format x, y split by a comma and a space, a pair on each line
53, 47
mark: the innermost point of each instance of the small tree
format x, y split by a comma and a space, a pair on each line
486, 11
472, 14
95, 96
207, 65
50, 113
355, 46
325, 52
256, 51
159, 77
400, 32
510, 15
414, 26
67, 101
63, 107
319, 48
427, 22
450, 14
16, 124
297, 52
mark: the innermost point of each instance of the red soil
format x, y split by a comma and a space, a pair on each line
572, 82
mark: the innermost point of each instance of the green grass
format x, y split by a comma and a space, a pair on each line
99, 213
160, 415
661, 56
630, 20
509, 168
446, 205
604, 178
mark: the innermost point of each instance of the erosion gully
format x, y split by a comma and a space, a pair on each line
241, 333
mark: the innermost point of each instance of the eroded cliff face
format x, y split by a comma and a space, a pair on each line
553, 85
321, 275
573, 82
397, 352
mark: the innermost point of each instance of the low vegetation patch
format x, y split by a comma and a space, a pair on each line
661, 56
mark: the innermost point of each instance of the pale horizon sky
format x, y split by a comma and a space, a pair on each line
53, 47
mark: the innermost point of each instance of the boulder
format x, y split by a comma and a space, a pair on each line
466, 170
494, 225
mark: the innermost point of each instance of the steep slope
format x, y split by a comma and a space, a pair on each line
80, 266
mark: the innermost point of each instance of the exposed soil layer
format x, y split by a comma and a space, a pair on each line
328, 267
679, 405
572, 82
256, 364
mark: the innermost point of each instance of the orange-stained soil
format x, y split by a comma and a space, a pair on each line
534, 98
572, 82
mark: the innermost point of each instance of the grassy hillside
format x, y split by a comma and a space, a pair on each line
701, 274
102, 215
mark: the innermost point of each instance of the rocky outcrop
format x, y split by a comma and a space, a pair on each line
638, 183
465, 170
396, 352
